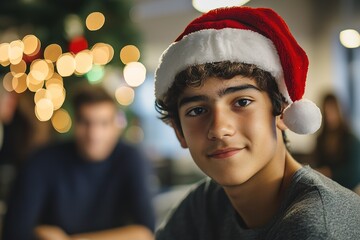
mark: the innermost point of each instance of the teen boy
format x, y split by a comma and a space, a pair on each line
229, 86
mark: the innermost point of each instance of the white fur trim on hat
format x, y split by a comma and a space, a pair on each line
211, 45
302, 117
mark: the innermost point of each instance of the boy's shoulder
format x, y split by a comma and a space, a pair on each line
318, 207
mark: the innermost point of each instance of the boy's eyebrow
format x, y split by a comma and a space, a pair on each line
195, 98
233, 89
221, 93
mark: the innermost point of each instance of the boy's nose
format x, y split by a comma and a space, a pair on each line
221, 126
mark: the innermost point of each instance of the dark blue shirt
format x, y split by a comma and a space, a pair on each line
58, 187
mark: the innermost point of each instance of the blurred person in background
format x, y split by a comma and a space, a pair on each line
337, 151
92, 187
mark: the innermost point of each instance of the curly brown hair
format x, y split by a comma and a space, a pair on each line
194, 76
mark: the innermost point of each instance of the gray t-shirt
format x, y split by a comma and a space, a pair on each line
314, 207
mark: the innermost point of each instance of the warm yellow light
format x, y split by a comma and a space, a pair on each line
7, 82
57, 93
65, 65
33, 84
18, 69
83, 60
19, 83
207, 5
102, 53
350, 38
95, 21
16, 51
4, 52
61, 121
129, 53
32, 45
134, 74
44, 109
40, 94
52, 52
124, 95
55, 79
40, 69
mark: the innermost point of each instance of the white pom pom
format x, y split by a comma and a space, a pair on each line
302, 117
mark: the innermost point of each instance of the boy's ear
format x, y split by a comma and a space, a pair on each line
280, 122
179, 135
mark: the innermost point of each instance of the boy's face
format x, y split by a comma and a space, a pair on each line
229, 129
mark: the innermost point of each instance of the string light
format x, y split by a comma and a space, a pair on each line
65, 65
207, 5
95, 21
102, 53
44, 109
46, 81
52, 52
95, 74
124, 95
18, 69
134, 74
32, 45
19, 83
350, 38
4, 53
40, 94
129, 53
33, 84
7, 82
16, 51
83, 62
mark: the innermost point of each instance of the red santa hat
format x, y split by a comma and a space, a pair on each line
256, 36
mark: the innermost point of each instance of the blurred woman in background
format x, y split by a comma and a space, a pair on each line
337, 151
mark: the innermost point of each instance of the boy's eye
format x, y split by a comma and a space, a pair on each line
195, 111
243, 102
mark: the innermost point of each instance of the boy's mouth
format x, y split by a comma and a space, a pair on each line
224, 153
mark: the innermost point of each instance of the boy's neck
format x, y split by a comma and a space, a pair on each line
258, 200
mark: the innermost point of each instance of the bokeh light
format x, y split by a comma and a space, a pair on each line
134, 74
78, 44
32, 45
40, 94
73, 26
135, 134
4, 53
83, 60
16, 51
350, 38
55, 79
40, 69
52, 52
207, 5
65, 65
125, 95
61, 121
33, 84
18, 69
95, 21
44, 109
129, 53
102, 53
19, 83
96, 74
7, 82
58, 94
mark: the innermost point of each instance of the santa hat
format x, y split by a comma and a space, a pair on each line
256, 36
